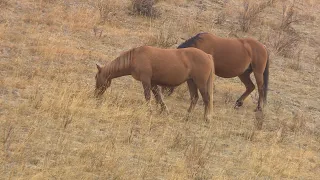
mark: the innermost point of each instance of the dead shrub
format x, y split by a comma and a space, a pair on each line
250, 13
289, 16
144, 7
286, 44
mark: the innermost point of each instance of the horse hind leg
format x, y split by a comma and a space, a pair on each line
259, 79
157, 94
206, 91
193, 90
207, 100
246, 80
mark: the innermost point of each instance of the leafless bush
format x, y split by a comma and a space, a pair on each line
288, 17
144, 7
250, 13
286, 44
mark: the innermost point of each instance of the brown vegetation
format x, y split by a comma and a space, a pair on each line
51, 127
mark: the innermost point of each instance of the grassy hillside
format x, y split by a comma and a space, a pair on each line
51, 127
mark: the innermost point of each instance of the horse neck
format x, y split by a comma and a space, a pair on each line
121, 66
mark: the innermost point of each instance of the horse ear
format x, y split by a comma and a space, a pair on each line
98, 67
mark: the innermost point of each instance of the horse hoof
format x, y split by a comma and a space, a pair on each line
238, 104
258, 109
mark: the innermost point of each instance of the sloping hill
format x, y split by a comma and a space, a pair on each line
52, 128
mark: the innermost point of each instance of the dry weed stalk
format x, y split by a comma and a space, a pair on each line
6, 137
197, 154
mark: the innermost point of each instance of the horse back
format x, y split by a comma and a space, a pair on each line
171, 66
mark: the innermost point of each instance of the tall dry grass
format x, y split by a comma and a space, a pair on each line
51, 127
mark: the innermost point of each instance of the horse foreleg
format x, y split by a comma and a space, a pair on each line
147, 94
157, 94
193, 90
245, 78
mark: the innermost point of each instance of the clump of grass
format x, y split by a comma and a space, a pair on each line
106, 9
295, 63
145, 8
197, 156
222, 15
165, 37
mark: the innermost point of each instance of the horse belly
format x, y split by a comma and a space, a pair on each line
228, 67
170, 76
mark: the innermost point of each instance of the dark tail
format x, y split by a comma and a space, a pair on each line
266, 79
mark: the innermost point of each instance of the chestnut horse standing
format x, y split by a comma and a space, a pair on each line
236, 57
166, 67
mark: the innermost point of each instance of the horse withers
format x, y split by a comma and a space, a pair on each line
165, 67
235, 57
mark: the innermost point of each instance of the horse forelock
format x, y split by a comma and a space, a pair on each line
190, 41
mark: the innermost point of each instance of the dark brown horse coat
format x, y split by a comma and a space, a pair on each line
236, 57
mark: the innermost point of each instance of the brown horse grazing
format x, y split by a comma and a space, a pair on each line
166, 67
235, 57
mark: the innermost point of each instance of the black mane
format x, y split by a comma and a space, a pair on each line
190, 42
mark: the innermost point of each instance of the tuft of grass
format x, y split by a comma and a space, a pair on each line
295, 62
165, 36
145, 8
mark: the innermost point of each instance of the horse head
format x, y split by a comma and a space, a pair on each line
103, 81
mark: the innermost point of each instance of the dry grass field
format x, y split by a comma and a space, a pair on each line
51, 127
